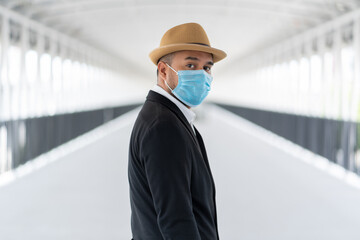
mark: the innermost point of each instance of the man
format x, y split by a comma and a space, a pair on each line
172, 191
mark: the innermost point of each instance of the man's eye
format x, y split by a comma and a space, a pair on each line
190, 65
207, 68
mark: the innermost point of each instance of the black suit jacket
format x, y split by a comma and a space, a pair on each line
172, 191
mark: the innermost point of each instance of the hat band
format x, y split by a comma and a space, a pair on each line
201, 44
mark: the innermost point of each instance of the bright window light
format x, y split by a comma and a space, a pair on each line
304, 75
347, 81
57, 73
31, 65
329, 84
316, 78
315, 97
67, 73
304, 86
3, 148
45, 67
294, 81
14, 57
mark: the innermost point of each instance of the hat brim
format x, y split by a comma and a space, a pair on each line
159, 52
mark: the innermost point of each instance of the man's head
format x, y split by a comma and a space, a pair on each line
181, 60
185, 47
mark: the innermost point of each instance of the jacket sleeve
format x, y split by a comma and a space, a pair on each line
168, 168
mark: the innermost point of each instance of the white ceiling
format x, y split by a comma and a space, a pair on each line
130, 29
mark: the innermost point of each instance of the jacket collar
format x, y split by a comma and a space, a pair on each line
156, 97
188, 113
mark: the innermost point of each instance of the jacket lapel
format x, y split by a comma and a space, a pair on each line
156, 97
202, 147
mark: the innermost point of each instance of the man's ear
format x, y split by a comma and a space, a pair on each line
162, 70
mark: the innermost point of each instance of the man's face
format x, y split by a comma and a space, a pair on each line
183, 60
189, 60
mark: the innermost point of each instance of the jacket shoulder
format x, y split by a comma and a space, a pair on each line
153, 112
156, 124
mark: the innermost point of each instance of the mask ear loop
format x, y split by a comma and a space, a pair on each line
168, 85
165, 80
172, 69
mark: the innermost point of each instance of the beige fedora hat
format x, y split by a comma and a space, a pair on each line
188, 36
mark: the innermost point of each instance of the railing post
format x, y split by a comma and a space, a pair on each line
4, 77
354, 157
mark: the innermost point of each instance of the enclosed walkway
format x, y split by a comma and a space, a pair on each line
267, 188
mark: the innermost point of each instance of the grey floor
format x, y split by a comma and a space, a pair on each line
262, 192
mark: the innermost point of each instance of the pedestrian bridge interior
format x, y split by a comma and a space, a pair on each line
281, 124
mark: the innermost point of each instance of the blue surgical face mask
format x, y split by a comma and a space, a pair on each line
193, 86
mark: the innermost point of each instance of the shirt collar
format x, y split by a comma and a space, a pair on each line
188, 113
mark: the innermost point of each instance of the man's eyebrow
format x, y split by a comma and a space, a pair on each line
192, 58
196, 59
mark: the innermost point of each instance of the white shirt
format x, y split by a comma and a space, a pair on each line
188, 113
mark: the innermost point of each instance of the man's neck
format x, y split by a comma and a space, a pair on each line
168, 91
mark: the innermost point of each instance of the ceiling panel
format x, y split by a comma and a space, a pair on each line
130, 29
